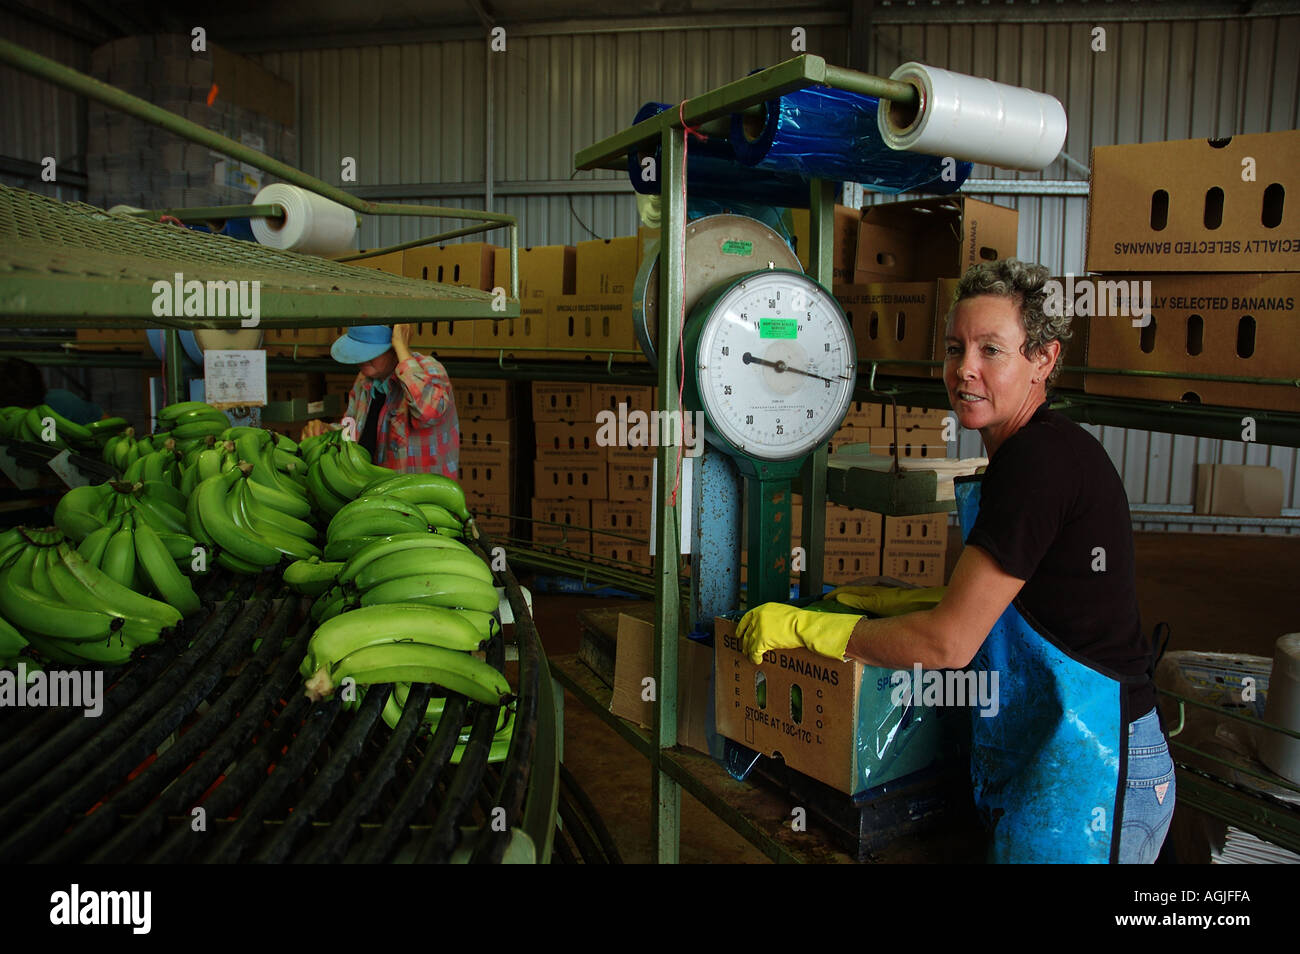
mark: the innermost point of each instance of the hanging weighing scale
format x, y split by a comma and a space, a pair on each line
771, 361
718, 247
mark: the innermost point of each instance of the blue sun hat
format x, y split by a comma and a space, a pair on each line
362, 343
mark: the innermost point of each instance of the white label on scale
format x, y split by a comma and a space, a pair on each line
235, 378
684, 498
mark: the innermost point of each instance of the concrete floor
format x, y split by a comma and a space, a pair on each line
1218, 593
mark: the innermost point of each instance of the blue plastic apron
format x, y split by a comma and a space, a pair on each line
1049, 769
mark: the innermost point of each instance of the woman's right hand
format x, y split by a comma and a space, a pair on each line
312, 428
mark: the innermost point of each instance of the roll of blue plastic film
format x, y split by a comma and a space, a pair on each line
832, 134
713, 173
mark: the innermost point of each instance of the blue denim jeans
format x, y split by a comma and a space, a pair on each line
1149, 797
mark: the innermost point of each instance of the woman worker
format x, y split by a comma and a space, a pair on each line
402, 402
1072, 765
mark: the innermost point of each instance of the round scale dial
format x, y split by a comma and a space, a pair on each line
775, 362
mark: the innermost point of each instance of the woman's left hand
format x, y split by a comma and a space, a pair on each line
402, 339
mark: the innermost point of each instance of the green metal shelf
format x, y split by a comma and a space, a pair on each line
73, 264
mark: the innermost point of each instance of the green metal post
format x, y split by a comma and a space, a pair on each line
666, 793
821, 217
174, 370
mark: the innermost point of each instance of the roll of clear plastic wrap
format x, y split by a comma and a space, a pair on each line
975, 119
833, 134
312, 224
1279, 752
712, 172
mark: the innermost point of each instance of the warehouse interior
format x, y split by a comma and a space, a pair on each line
533, 202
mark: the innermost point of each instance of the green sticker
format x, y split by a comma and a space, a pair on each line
737, 247
778, 328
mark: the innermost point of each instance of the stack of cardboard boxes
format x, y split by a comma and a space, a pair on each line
597, 318
621, 522
569, 471
488, 442
1199, 233
591, 492
860, 543
545, 272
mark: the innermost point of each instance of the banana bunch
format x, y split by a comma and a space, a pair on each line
163, 465
192, 419
67, 608
83, 510
42, 421
338, 471
396, 703
395, 504
124, 448
401, 642
274, 467
422, 568
317, 444
11, 418
250, 525
370, 517
131, 552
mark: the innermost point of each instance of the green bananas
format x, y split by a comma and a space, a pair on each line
69, 610
396, 703
215, 519
413, 662
424, 489
312, 577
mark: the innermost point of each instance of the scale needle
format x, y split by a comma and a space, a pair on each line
780, 366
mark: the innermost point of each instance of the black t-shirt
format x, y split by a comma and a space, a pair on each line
1050, 498
369, 438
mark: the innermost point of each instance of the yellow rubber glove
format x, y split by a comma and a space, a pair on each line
887, 600
777, 626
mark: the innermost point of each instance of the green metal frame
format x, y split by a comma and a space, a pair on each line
98, 275
667, 776
708, 112
1251, 810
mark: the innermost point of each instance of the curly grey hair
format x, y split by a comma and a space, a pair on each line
1023, 283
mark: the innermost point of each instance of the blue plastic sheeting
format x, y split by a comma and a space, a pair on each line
713, 173
1046, 768
820, 133
569, 584
188, 345
240, 229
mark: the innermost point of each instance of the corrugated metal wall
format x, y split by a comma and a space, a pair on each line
553, 95
38, 119
416, 113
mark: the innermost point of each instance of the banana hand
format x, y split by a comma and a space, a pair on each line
777, 626
887, 600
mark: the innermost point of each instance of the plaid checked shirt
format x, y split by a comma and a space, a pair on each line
419, 431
